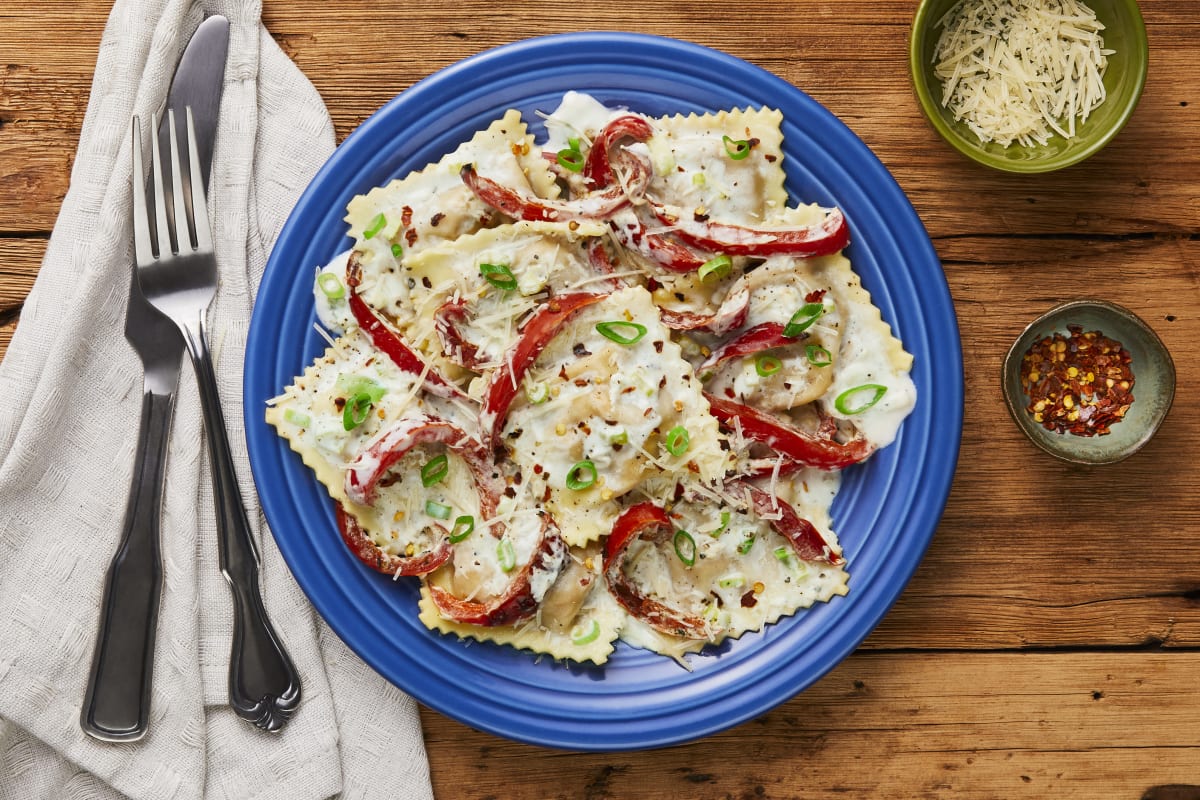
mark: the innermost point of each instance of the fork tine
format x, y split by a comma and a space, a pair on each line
199, 202
160, 204
142, 247
183, 238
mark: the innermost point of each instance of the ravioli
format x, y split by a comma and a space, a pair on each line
612, 407
601, 388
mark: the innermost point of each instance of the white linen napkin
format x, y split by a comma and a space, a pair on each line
71, 392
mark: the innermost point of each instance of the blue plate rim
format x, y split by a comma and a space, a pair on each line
625, 725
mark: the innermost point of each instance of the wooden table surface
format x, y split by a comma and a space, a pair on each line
1049, 644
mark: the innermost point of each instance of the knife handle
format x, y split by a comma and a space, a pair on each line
116, 707
264, 686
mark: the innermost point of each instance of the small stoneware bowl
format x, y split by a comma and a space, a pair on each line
1124, 31
1153, 382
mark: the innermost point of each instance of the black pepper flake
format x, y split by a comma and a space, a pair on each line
580, 350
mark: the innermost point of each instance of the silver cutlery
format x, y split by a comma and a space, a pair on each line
116, 706
177, 271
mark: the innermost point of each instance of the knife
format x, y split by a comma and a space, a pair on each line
116, 707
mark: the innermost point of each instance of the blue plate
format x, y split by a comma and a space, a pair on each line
885, 514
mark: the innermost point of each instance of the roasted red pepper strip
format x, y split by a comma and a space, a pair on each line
831, 235
788, 440
755, 340
636, 521
729, 315
537, 333
598, 205
385, 339
517, 602
598, 168
658, 248
369, 467
370, 554
805, 539
602, 263
454, 344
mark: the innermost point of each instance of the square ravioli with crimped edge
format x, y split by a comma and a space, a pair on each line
609, 402
599, 388
434, 205
700, 166
312, 416
468, 295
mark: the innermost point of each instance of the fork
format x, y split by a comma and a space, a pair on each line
177, 270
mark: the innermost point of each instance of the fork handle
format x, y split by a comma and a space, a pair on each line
264, 686
116, 707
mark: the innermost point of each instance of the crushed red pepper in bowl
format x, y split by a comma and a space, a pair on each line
1068, 382
1079, 383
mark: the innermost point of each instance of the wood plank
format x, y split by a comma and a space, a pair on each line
853, 62
937, 725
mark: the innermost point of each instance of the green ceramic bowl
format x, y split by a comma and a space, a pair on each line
1123, 81
1153, 382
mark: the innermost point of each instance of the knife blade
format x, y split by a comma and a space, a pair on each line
116, 706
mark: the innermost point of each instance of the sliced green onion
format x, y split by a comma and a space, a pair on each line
378, 223
783, 554
331, 286
698, 179
437, 510
712, 613
767, 365
507, 554
747, 545
868, 395
435, 470
818, 356
619, 436
464, 526
685, 547
574, 142
736, 148
397, 250
620, 331
349, 384
581, 636
498, 275
581, 476
356, 411
725, 517
717, 267
803, 319
537, 393
296, 418
678, 440
570, 159
732, 580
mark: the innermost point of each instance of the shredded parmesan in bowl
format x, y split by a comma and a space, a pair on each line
1021, 70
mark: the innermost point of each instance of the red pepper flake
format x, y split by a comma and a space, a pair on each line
1081, 383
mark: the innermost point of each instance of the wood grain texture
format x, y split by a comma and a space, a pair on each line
931, 725
1049, 644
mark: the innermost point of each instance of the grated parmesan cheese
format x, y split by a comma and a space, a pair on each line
1021, 70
